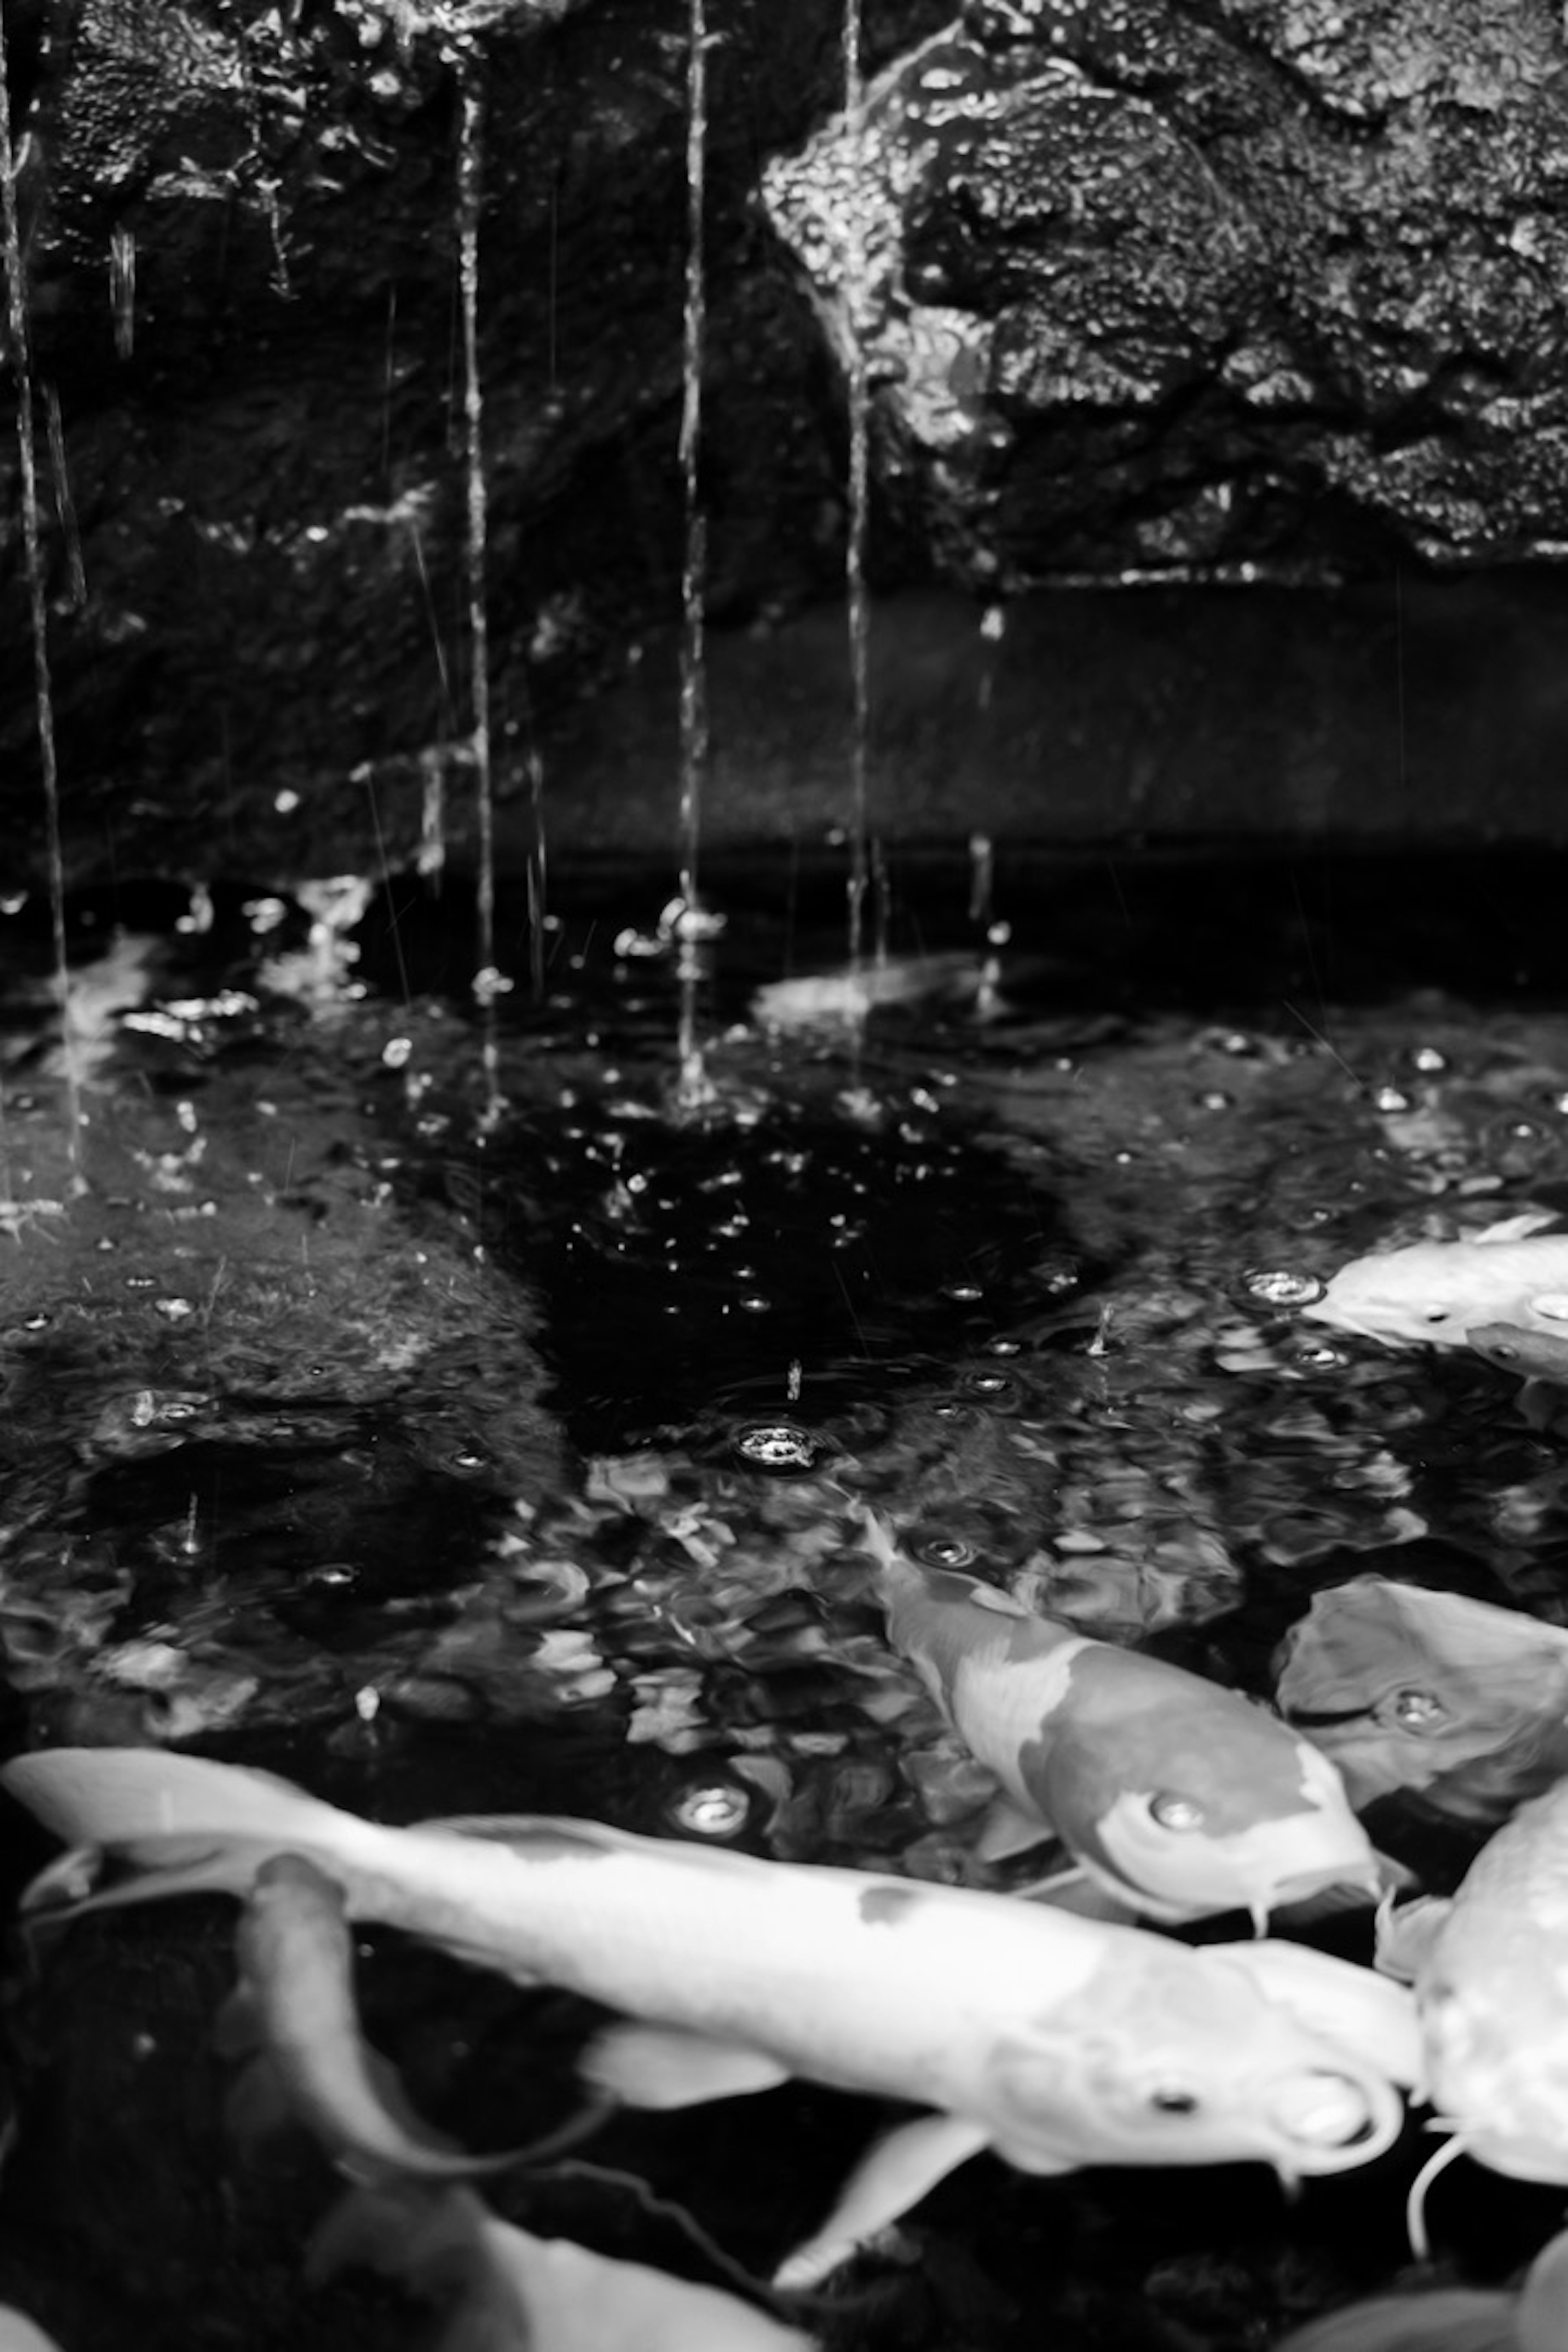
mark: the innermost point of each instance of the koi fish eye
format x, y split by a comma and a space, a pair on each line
1416, 1710
1174, 2099
1173, 1813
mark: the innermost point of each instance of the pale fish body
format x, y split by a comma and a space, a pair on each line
1437, 1292
296, 2008
1534, 2318
1490, 1973
1179, 1796
1058, 2042
850, 993
504, 2286
20, 2334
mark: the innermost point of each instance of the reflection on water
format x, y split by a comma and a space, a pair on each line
450, 1461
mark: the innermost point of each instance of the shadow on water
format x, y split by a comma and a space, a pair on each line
448, 1462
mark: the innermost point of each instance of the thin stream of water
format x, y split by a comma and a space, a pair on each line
21, 361
859, 610
691, 1079
471, 189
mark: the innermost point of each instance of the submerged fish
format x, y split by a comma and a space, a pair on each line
1437, 1292
953, 974
1491, 1993
1534, 1355
1409, 1689
1534, 2318
1177, 1795
503, 2287
295, 2007
1058, 2042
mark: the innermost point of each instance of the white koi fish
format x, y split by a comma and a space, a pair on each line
1058, 2042
503, 2286
1178, 1796
1491, 1993
1437, 1292
295, 2008
20, 2334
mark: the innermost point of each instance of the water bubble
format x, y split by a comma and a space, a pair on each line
1414, 1710
1391, 1098
1279, 1286
1213, 1098
945, 1551
775, 1445
964, 1292
754, 1303
1004, 1347
713, 1809
1428, 1060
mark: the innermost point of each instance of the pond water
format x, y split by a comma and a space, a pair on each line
452, 1461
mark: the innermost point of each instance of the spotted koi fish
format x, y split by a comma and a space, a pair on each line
1055, 2040
1179, 1797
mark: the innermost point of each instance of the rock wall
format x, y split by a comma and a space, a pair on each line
1254, 290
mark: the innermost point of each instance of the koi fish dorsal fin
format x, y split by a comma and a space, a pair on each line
130, 1796
1517, 1228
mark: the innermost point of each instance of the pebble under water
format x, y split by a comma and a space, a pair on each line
449, 1463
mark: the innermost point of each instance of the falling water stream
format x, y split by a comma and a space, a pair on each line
21, 361
691, 1082
864, 863
488, 980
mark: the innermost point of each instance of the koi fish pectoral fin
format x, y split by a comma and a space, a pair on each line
895, 2174
1403, 1937
1008, 1829
666, 2067
1086, 1896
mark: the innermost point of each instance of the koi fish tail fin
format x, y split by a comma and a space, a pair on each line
178, 1824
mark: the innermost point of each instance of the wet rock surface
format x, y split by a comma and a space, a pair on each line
1150, 292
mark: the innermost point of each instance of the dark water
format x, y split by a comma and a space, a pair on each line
453, 1463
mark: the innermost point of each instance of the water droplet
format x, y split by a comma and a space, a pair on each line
714, 1809
963, 1291
1391, 1098
1213, 1100
467, 1461
1279, 1286
36, 1322
174, 1310
754, 1303
1004, 1347
1428, 1059
776, 1445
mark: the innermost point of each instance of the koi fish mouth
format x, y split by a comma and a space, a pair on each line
1328, 2121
